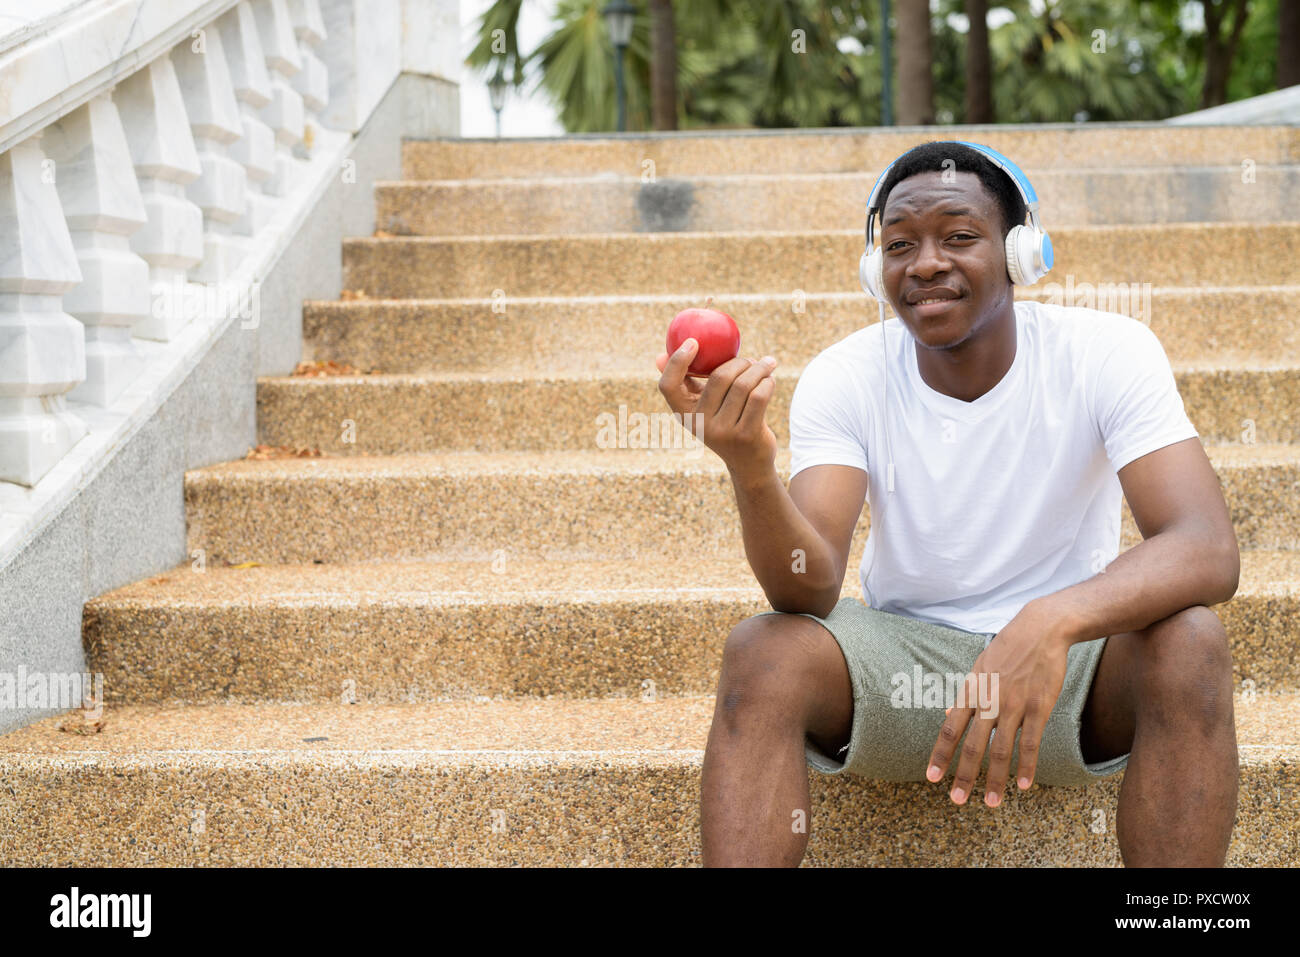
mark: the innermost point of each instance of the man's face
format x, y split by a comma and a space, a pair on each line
944, 241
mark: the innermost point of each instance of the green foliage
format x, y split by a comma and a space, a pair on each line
812, 63
1078, 60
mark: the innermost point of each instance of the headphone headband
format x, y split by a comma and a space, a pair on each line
1013, 171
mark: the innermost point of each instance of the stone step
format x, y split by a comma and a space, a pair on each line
624, 204
536, 782
446, 412
1051, 146
601, 505
565, 335
424, 631
1172, 254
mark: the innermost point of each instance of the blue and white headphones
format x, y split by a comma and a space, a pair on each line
1029, 257
1028, 248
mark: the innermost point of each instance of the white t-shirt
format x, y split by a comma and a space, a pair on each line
1000, 500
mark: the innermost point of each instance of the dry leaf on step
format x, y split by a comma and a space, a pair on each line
324, 367
265, 452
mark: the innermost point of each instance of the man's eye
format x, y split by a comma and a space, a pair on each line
895, 243
963, 236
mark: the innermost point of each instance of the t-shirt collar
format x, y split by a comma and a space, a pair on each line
955, 408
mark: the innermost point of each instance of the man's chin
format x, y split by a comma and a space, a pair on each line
938, 332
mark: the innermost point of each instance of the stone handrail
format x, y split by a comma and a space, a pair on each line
153, 155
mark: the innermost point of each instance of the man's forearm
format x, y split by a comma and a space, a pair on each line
789, 557
1160, 577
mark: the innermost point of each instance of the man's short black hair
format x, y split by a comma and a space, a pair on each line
932, 157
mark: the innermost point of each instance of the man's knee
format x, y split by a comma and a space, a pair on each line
1186, 671
770, 662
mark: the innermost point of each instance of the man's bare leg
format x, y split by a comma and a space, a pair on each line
1165, 695
783, 677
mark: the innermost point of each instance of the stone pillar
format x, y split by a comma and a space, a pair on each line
221, 189
162, 149
255, 150
284, 114
42, 348
312, 81
103, 207
363, 56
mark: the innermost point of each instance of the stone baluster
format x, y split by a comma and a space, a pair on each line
284, 114
313, 80
255, 150
42, 348
103, 207
162, 149
222, 187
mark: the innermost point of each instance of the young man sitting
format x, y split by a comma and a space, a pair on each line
997, 437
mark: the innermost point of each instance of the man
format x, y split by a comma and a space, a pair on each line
1012, 428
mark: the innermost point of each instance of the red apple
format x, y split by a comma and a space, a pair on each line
716, 332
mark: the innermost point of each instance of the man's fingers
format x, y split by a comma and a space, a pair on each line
755, 411
740, 395
675, 365
1031, 738
1001, 750
949, 734
673, 383
972, 756
719, 385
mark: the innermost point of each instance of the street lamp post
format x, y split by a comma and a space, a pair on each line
497, 93
620, 16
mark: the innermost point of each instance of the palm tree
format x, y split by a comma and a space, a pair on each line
738, 62
781, 63
1288, 39
663, 65
915, 66
1064, 65
979, 82
1221, 47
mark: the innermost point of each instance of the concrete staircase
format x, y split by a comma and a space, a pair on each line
467, 634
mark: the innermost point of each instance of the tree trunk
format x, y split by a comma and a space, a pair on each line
1288, 43
979, 84
1220, 50
915, 77
663, 65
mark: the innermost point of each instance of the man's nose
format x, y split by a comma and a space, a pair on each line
929, 260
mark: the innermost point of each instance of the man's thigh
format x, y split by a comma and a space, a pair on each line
903, 672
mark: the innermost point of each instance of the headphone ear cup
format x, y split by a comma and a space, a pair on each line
871, 274
1012, 248
1029, 255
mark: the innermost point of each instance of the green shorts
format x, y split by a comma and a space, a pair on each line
897, 709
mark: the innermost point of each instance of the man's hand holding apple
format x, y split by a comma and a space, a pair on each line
729, 409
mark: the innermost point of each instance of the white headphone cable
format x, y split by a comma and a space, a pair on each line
889, 471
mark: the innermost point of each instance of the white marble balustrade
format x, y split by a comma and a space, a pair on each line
255, 150
120, 212
42, 348
284, 114
103, 207
312, 80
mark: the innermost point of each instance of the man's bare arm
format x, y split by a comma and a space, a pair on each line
798, 541
1188, 555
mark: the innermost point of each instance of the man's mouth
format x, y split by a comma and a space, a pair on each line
922, 297
933, 303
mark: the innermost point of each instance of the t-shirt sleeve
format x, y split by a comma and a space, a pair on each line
826, 419
1137, 403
